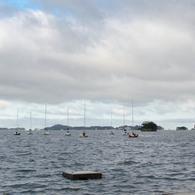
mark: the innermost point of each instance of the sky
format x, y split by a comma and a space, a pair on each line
106, 53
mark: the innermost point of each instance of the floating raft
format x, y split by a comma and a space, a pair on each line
82, 175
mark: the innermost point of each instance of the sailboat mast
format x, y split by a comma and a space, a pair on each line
132, 113
111, 119
45, 115
17, 117
30, 120
68, 116
84, 114
124, 116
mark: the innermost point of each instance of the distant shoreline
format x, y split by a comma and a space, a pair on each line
65, 127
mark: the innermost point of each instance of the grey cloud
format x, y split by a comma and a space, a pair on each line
44, 57
7, 11
86, 12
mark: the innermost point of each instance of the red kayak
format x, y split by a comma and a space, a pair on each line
133, 136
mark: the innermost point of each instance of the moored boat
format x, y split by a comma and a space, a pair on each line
68, 133
125, 132
29, 132
111, 133
83, 135
133, 135
46, 132
17, 133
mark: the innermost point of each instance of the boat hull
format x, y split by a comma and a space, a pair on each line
133, 136
17, 133
83, 136
46, 133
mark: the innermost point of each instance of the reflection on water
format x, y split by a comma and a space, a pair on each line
154, 163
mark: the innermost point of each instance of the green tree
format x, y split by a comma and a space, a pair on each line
148, 126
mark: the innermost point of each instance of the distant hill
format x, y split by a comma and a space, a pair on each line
3, 128
65, 127
57, 127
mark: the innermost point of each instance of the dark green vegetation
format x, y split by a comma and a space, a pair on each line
182, 128
148, 126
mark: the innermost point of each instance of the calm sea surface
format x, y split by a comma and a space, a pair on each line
154, 163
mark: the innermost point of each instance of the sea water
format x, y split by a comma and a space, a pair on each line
154, 163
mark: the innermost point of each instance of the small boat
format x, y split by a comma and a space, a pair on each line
133, 135
17, 133
68, 133
83, 135
111, 133
29, 132
46, 132
125, 132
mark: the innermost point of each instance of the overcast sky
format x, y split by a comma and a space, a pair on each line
106, 52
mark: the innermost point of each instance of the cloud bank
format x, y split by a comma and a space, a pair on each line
59, 51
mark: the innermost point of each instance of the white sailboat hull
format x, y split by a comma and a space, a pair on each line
68, 133
46, 133
83, 135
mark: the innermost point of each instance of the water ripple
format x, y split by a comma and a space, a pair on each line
155, 163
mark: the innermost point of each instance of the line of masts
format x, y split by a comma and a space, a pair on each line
124, 115
84, 116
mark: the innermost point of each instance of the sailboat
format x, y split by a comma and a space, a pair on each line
132, 135
84, 134
68, 132
45, 131
30, 130
111, 132
125, 130
17, 132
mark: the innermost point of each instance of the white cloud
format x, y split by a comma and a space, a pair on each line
99, 52
4, 104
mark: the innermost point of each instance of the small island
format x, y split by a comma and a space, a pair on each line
181, 128
148, 126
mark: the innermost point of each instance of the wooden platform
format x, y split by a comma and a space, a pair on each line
82, 175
